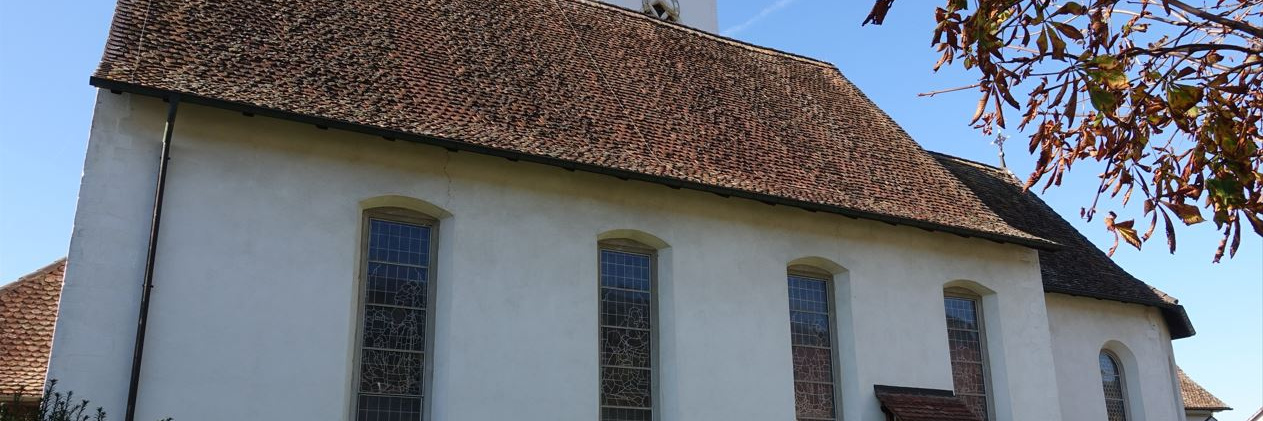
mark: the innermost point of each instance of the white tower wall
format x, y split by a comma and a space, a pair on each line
700, 14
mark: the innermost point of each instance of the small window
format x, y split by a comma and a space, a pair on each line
394, 298
812, 343
668, 10
627, 307
966, 339
1112, 382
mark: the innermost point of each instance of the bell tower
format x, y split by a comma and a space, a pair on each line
699, 14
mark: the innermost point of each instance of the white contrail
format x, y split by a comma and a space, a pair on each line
770, 9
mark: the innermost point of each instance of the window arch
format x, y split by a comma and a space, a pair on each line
813, 342
1112, 381
628, 327
967, 343
393, 336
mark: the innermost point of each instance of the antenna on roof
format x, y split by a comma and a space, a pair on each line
999, 144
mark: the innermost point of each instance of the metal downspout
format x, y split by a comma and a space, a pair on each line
142, 320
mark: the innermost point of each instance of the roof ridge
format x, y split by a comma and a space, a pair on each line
46, 269
703, 34
969, 161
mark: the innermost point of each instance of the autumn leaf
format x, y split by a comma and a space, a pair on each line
1189, 214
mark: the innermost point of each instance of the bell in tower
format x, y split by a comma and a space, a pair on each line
699, 14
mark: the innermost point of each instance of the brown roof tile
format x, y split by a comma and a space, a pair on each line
28, 313
565, 82
1197, 397
1079, 267
910, 404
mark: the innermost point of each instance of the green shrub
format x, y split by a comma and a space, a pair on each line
52, 406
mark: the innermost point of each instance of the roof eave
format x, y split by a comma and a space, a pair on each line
118, 86
1176, 317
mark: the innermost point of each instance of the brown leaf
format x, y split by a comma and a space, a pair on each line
1170, 232
1129, 234
878, 14
1189, 214
1255, 222
982, 106
1068, 30
1236, 238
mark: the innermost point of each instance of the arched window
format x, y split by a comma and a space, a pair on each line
966, 339
628, 278
1112, 382
395, 293
811, 323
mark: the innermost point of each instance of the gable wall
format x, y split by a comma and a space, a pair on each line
1081, 327
254, 310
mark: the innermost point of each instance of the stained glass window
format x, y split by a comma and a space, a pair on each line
392, 330
1112, 381
811, 339
626, 335
968, 353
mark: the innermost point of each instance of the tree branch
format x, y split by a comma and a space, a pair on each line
1238, 25
1188, 48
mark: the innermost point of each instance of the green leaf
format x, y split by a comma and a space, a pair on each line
1225, 191
1102, 100
1105, 62
1042, 42
1183, 99
1115, 80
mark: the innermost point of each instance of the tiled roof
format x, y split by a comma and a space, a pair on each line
572, 83
1197, 397
1079, 267
28, 313
910, 404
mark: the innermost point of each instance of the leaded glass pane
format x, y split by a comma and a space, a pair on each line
395, 285
813, 401
629, 387
626, 414
1112, 382
626, 336
392, 357
813, 364
390, 372
964, 341
625, 347
811, 342
394, 328
623, 308
388, 408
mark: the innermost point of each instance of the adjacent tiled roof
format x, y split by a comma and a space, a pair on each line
1079, 267
911, 404
572, 83
1197, 397
28, 313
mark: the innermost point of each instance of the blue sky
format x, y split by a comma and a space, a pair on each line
48, 49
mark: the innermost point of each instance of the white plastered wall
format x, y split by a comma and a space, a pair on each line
1137, 335
254, 310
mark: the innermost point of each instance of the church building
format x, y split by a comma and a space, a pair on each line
543, 210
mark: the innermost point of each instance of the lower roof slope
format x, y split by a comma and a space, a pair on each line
1197, 397
1079, 267
28, 313
912, 404
572, 83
